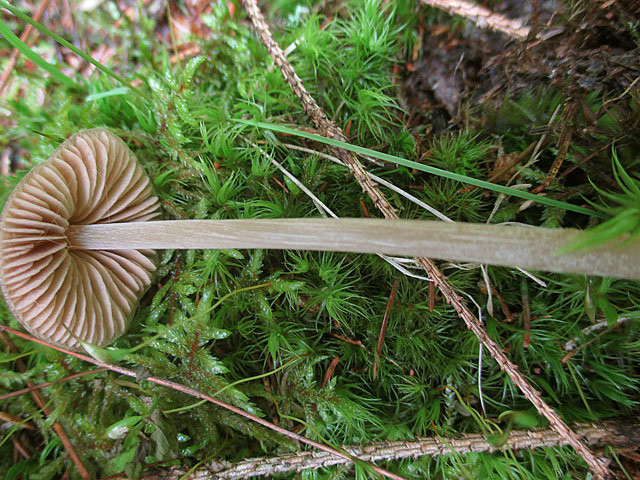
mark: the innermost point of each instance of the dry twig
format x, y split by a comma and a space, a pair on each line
599, 325
608, 434
563, 143
526, 314
386, 451
331, 130
383, 328
481, 16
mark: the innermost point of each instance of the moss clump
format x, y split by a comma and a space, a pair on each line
217, 319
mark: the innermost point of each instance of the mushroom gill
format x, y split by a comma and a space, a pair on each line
58, 293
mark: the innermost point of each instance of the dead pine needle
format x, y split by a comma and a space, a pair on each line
383, 327
329, 373
432, 297
563, 142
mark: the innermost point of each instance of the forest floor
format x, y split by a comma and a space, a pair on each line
404, 368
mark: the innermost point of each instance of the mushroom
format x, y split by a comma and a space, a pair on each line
77, 237
61, 294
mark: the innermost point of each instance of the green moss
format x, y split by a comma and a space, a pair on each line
217, 317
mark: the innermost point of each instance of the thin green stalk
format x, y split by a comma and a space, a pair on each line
13, 357
18, 426
580, 392
200, 314
184, 409
111, 93
237, 382
257, 377
613, 453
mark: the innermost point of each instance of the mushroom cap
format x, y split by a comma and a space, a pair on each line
61, 294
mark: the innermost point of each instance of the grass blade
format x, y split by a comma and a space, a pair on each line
111, 93
425, 168
15, 42
70, 46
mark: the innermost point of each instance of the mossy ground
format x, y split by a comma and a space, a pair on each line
304, 310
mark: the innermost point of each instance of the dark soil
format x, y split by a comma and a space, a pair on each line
593, 51
464, 76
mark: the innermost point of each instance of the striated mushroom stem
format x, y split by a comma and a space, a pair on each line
523, 247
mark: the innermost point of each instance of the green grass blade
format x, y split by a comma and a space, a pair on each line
11, 37
111, 93
425, 168
70, 46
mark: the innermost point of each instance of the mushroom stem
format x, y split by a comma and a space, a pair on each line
523, 247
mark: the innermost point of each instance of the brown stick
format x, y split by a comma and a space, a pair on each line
40, 401
481, 16
556, 422
594, 434
597, 435
195, 393
331, 130
563, 143
526, 314
329, 373
383, 328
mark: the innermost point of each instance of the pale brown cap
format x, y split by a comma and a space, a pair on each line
56, 292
